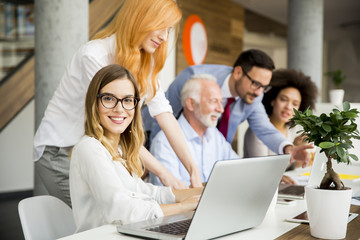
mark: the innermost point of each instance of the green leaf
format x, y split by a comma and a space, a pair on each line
346, 106
331, 151
326, 127
354, 157
345, 145
326, 145
323, 117
308, 112
340, 152
338, 116
350, 115
354, 110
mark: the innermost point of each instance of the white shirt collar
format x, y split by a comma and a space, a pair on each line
225, 90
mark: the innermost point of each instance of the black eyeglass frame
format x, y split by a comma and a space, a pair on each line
101, 95
255, 84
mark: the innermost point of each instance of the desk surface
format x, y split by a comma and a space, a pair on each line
274, 226
302, 231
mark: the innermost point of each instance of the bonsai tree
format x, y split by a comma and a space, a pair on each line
333, 134
337, 77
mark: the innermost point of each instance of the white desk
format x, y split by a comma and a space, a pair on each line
274, 225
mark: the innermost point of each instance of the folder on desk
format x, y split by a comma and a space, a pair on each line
342, 176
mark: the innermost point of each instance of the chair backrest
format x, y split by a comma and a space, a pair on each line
45, 217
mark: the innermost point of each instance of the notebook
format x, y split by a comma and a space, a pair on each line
290, 191
236, 197
349, 174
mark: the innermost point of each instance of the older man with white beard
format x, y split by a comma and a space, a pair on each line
201, 99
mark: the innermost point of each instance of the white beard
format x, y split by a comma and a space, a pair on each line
206, 119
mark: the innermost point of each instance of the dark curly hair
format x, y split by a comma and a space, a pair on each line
284, 78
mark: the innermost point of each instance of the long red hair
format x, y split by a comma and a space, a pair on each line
133, 23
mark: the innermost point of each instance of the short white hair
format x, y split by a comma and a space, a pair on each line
192, 87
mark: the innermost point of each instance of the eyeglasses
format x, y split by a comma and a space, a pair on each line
255, 84
110, 101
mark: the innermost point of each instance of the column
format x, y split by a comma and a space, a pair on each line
60, 28
305, 38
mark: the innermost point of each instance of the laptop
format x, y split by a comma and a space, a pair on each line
236, 197
290, 191
349, 174
296, 192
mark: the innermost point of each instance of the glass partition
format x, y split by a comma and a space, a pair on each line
17, 30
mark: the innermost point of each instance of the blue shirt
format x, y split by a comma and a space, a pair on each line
240, 111
205, 153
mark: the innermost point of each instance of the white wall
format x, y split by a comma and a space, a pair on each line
16, 151
344, 54
275, 47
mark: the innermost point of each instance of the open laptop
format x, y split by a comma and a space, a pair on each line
291, 191
349, 174
236, 197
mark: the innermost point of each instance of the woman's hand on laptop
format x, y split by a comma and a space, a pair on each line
190, 203
186, 200
182, 194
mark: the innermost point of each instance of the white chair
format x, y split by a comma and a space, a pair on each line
45, 217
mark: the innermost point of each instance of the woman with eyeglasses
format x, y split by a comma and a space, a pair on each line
136, 39
105, 167
290, 90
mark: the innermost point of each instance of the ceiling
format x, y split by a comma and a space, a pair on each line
341, 17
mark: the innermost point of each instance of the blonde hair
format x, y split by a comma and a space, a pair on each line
133, 23
131, 140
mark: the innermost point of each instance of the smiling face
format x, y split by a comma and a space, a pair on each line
243, 86
116, 120
154, 39
210, 108
283, 104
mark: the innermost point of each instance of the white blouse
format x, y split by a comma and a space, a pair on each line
254, 147
102, 190
64, 118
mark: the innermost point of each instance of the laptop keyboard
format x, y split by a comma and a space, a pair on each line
175, 228
293, 190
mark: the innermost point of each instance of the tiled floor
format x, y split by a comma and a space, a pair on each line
10, 226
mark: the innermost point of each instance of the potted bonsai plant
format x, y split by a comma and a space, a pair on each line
336, 95
328, 204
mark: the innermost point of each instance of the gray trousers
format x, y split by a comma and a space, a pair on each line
53, 170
